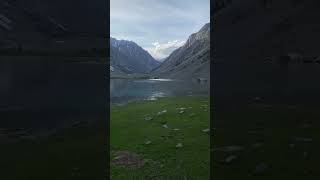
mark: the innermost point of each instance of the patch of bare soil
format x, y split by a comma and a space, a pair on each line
127, 159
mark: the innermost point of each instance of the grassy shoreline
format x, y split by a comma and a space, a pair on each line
137, 128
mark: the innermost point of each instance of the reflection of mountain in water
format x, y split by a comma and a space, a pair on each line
123, 90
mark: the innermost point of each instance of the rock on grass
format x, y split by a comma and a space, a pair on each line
128, 159
179, 145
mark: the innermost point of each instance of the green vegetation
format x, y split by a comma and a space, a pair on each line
72, 153
138, 128
284, 138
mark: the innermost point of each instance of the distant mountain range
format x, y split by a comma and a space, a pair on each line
190, 60
127, 57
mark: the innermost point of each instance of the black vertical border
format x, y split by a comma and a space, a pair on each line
212, 115
107, 77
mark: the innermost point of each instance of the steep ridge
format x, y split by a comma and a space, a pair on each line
190, 60
128, 57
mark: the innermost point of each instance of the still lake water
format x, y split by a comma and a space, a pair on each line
127, 90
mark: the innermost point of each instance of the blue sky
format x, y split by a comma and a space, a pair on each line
159, 26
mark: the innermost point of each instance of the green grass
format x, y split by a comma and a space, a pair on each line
130, 131
276, 127
69, 154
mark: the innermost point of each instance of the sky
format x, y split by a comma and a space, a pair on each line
158, 26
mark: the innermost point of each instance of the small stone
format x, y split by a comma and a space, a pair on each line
182, 108
176, 129
179, 145
206, 130
230, 158
148, 118
148, 142
192, 114
161, 112
165, 126
181, 112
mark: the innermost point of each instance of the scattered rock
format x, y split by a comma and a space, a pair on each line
230, 158
182, 109
179, 145
128, 159
181, 112
161, 112
257, 99
147, 142
165, 126
176, 129
77, 123
261, 169
206, 130
192, 114
148, 118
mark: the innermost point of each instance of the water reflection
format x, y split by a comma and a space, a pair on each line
124, 90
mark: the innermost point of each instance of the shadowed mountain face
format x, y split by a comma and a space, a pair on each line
190, 60
42, 70
267, 48
127, 57
47, 23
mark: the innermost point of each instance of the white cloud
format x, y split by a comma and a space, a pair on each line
163, 50
147, 21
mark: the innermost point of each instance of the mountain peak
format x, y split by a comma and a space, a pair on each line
202, 34
130, 57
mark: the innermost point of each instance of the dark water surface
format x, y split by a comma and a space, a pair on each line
127, 90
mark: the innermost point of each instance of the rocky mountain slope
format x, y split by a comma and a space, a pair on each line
52, 24
190, 60
127, 57
250, 33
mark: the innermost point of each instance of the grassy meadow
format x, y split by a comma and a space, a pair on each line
163, 139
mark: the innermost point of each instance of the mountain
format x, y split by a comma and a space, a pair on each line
265, 49
190, 60
40, 24
127, 57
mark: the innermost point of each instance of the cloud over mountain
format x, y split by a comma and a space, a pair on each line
162, 50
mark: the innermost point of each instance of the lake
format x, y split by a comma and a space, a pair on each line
123, 91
